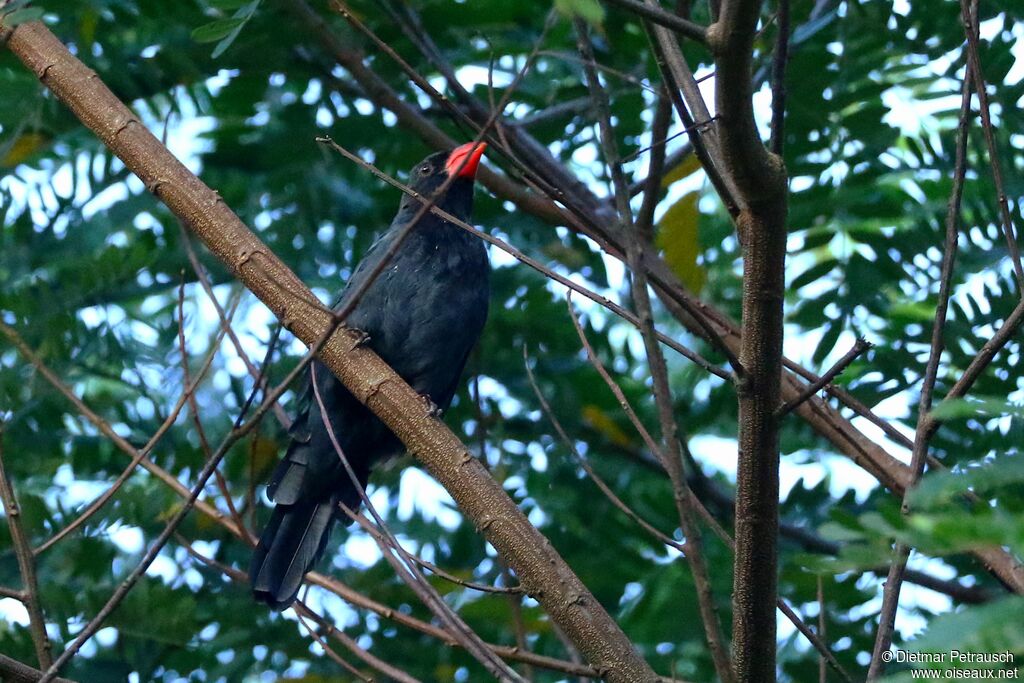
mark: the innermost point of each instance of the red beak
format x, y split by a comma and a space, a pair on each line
464, 159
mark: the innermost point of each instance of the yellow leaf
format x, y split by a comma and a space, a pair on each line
684, 169
678, 239
23, 147
601, 422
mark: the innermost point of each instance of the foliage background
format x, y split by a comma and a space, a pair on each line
90, 267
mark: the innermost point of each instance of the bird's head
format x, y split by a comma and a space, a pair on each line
459, 164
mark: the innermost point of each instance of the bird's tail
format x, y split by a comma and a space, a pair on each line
293, 541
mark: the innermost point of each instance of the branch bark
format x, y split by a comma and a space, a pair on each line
13, 671
683, 27
542, 571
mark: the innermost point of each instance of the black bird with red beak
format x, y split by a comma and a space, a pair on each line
423, 315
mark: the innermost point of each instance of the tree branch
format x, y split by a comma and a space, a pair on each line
683, 27
760, 180
13, 671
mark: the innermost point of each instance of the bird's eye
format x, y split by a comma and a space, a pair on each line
425, 168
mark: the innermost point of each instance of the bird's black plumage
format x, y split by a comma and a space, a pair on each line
423, 314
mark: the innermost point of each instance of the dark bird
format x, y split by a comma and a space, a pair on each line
423, 314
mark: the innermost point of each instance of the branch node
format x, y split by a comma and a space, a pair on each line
42, 73
128, 120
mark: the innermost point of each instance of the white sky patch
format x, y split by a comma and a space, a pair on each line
421, 492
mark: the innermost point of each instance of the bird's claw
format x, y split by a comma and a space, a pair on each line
433, 410
362, 339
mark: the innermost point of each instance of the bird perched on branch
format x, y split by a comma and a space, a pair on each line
423, 314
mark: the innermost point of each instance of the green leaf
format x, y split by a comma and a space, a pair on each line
217, 30
244, 14
989, 406
939, 487
987, 628
22, 16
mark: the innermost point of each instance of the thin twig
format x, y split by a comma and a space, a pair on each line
656, 168
26, 565
645, 435
303, 609
685, 501
663, 139
622, 75
389, 671
481, 587
671, 161
683, 27
822, 667
690, 107
589, 469
421, 39
859, 347
204, 280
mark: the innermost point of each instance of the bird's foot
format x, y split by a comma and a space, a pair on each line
433, 410
362, 339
